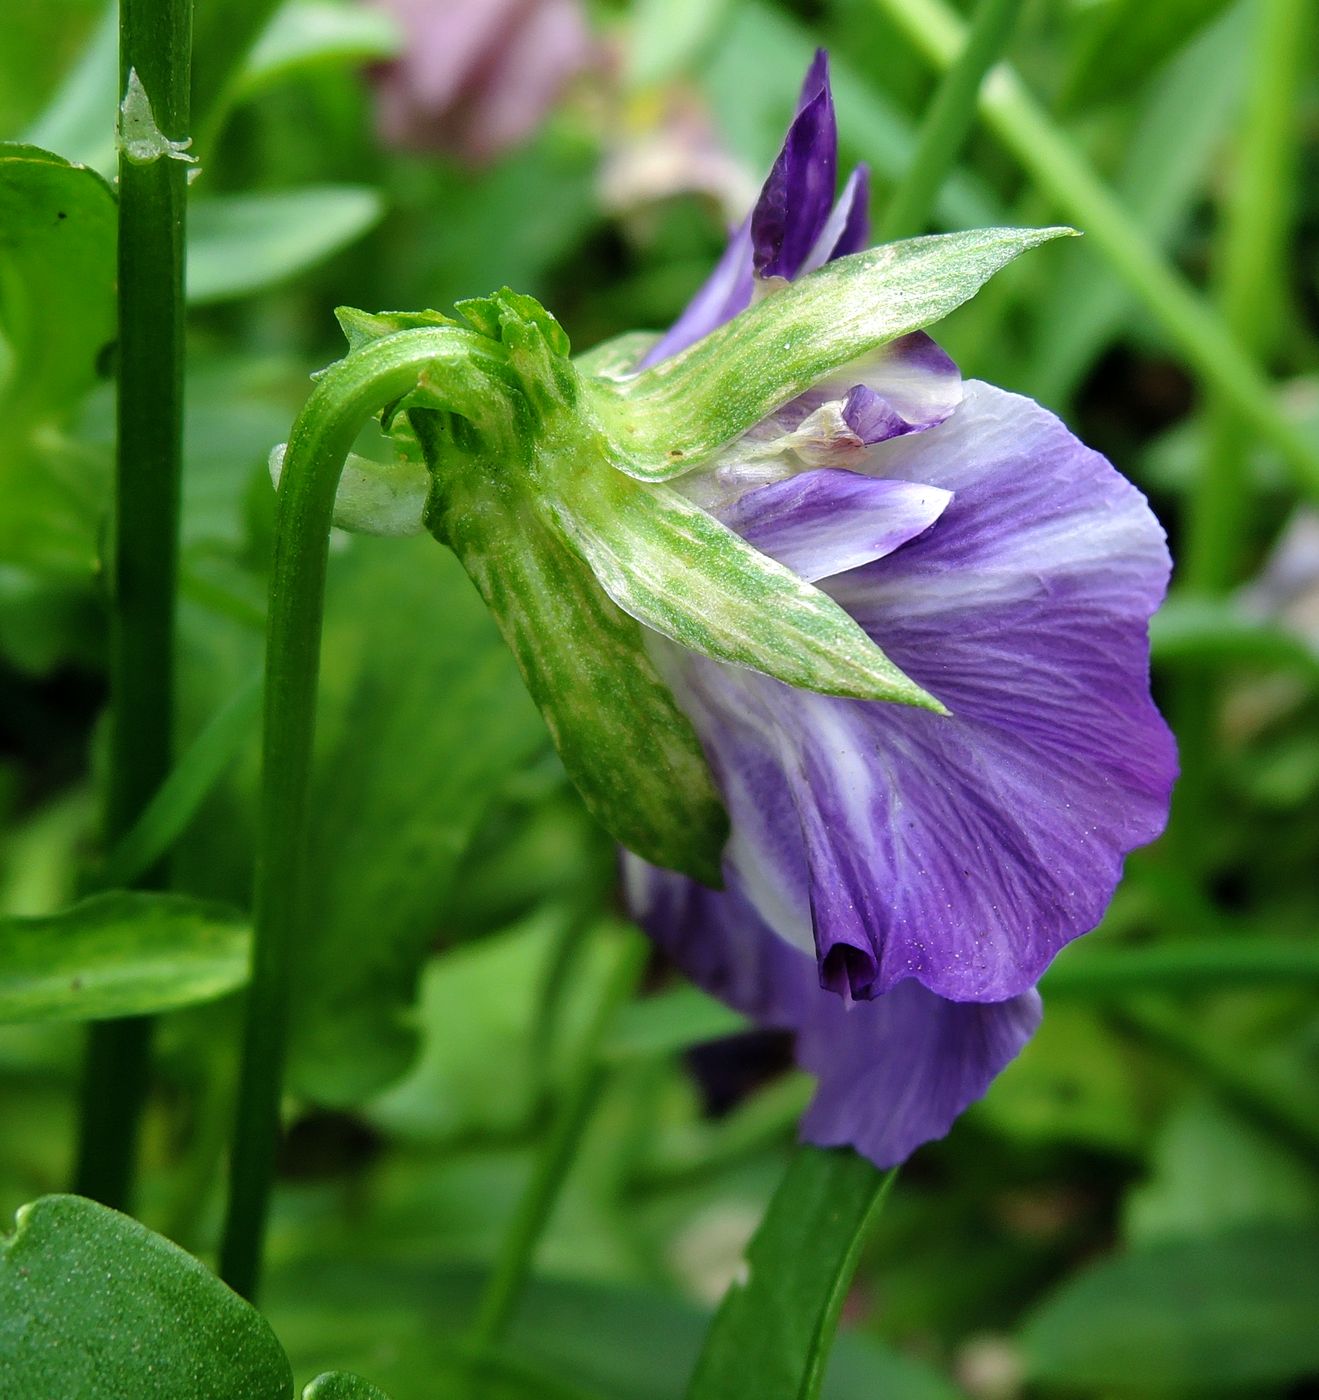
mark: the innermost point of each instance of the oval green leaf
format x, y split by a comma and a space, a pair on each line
93, 1303
1232, 1313
123, 953
240, 244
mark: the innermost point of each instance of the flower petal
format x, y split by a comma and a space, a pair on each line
796, 199
892, 1073
962, 851
824, 522
848, 227
908, 386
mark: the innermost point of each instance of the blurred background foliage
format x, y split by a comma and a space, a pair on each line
1134, 1209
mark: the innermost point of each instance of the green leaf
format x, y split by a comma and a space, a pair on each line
1210, 1171
668, 37
120, 954
1197, 630
342, 1385
188, 785
240, 244
395, 1318
1123, 41
1194, 965
676, 568
669, 1022
628, 748
410, 756
57, 275
79, 120
665, 421
770, 1339
1194, 1317
312, 34
57, 315
92, 1303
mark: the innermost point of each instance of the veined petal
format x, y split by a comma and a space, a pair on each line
907, 387
828, 521
892, 1073
796, 199
962, 852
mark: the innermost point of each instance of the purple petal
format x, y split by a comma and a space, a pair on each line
825, 522
911, 386
816, 80
848, 227
896, 1072
892, 1073
725, 292
962, 851
791, 229
794, 204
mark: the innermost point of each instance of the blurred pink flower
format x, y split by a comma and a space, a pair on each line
476, 77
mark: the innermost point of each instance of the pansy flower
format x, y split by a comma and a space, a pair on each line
897, 879
851, 656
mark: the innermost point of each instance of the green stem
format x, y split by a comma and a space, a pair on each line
573, 1112
1251, 252
154, 41
1062, 172
349, 394
948, 120
1253, 243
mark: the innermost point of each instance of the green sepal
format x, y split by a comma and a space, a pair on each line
631, 752
362, 327
676, 568
666, 420
536, 344
618, 357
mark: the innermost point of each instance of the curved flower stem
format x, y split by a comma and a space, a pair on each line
947, 121
344, 399
576, 1103
1061, 171
154, 43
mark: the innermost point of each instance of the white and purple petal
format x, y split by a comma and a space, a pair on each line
962, 852
828, 521
891, 1073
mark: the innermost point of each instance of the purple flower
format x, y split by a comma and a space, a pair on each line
896, 881
476, 77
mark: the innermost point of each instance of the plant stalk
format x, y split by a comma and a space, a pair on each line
572, 1114
349, 394
947, 121
1250, 291
154, 42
